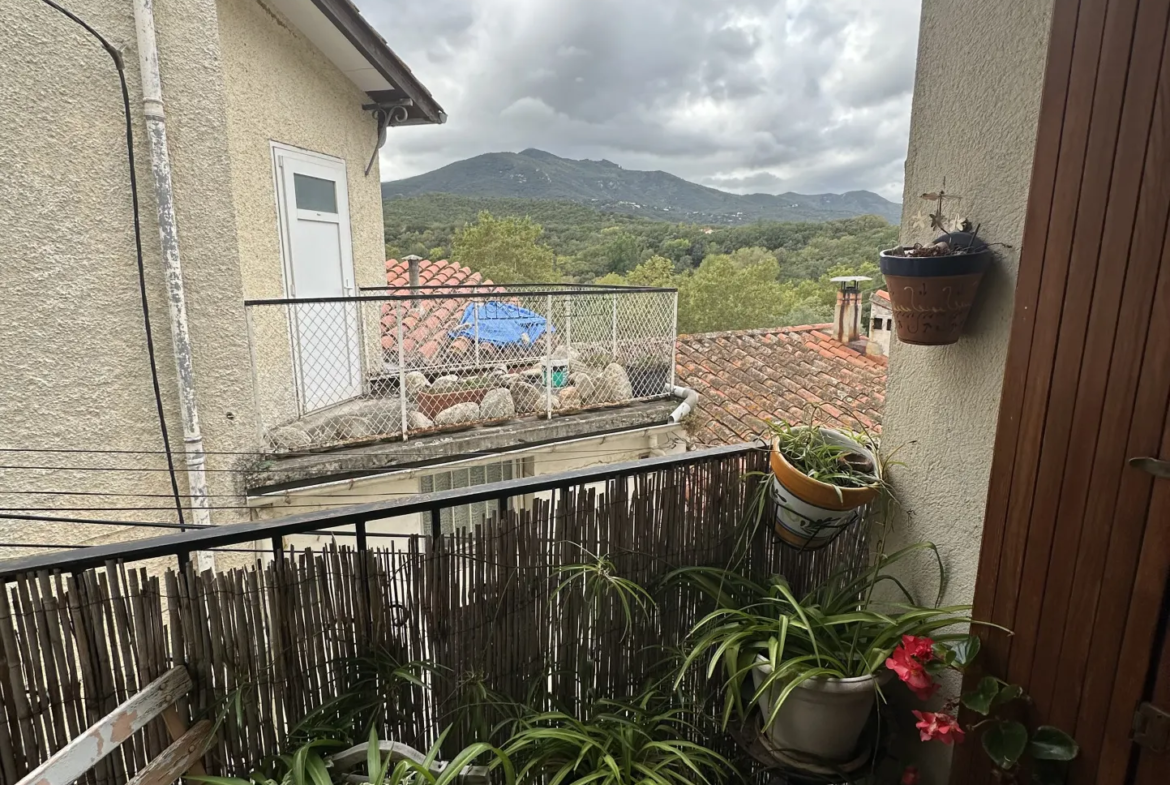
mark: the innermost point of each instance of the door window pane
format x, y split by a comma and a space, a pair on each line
314, 193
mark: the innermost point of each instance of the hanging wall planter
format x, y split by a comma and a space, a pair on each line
821, 478
932, 287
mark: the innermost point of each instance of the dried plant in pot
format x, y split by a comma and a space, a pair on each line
933, 286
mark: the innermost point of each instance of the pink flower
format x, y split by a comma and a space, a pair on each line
909, 776
911, 671
921, 649
938, 726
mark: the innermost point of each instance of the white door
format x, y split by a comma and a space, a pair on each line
318, 257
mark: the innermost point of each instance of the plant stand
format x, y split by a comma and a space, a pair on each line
866, 769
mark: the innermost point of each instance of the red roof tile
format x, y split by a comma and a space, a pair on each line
425, 326
745, 376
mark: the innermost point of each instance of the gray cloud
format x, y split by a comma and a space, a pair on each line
744, 95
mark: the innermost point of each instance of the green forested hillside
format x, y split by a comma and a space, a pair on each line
535, 174
759, 275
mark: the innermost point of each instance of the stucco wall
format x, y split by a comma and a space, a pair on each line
976, 105
73, 367
281, 88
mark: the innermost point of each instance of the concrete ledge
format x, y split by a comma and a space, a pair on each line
278, 473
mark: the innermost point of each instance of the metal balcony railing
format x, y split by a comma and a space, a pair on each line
395, 362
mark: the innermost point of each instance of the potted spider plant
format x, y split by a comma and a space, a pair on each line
646, 739
816, 662
820, 477
932, 286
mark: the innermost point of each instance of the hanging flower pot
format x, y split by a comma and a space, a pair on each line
821, 478
932, 287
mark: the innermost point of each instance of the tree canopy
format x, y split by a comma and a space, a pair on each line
506, 250
729, 278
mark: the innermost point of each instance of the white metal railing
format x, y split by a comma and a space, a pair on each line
396, 362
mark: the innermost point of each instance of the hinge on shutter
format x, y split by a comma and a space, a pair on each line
1151, 728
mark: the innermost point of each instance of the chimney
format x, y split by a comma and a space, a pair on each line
412, 265
847, 317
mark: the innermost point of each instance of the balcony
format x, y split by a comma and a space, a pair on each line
391, 363
282, 627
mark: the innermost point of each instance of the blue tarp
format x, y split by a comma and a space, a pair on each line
501, 324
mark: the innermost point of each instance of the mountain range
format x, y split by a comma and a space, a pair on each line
535, 174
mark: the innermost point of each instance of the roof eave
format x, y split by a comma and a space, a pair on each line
345, 16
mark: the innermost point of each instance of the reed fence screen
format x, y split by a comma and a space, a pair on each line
268, 644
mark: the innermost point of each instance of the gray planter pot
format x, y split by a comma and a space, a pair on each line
822, 719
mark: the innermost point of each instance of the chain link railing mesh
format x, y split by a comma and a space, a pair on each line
395, 366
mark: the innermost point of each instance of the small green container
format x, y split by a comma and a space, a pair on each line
560, 373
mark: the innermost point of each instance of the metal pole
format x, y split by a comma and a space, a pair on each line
401, 368
673, 337
160, 165
613, 330
548, 371
475, 313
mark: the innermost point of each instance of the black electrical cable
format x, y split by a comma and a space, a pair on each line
95, 521
116, 56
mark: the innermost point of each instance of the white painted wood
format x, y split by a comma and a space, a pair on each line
80, 755
317, 251
178, 759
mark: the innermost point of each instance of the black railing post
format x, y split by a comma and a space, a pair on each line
436, 522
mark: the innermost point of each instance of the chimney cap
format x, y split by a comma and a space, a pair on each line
413, 258
850, 278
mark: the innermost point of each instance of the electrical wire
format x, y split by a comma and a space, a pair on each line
266, 469
116, 56
5, 515
335, 453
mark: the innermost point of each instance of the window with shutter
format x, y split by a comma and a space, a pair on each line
464, 516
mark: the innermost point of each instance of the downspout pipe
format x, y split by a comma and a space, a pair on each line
160, 166
690, 401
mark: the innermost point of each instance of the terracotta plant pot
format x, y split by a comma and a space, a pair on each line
810, 513
931, 296
822, 719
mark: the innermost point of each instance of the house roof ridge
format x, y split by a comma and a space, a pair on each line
755, 331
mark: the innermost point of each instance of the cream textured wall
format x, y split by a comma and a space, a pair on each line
281, 88
976, 105
73, 370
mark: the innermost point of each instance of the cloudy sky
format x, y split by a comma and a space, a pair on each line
744, 95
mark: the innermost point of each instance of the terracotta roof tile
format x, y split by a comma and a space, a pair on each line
426, 325
748, 376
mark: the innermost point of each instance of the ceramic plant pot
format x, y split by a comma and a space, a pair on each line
931, 296
821, 720
810, 513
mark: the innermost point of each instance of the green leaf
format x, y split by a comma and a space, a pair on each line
1007, 694
983, 696
1005, 742
1049, 743
966, 651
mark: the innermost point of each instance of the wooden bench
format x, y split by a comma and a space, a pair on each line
103, 737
